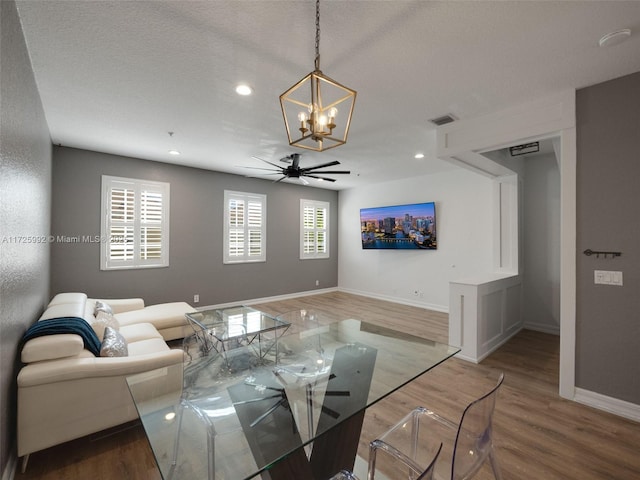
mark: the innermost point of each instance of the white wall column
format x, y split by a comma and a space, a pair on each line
553, 116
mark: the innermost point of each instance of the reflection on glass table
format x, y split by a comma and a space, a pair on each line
218, 330
261, 415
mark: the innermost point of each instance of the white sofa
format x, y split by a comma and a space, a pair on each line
66, 392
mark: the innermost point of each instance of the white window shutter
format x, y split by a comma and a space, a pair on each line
244, 227
314, 229
151, 217
135, 224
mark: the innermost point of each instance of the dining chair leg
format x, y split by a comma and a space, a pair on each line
211, 442
495, 466
176, 445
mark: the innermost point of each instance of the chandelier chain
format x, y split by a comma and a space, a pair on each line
317, 61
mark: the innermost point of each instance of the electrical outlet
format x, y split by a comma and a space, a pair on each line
317, 283
196, 298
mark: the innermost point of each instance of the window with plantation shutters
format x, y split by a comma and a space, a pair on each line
244, 227
135, 224
314, 229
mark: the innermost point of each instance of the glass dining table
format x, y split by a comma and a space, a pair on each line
295, 415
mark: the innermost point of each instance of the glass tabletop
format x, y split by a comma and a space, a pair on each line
246, 415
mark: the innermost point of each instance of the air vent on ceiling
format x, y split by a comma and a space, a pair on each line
525, 148
443, 120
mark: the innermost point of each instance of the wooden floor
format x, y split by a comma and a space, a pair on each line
538, 435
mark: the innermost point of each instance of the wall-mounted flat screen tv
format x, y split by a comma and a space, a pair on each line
399, 227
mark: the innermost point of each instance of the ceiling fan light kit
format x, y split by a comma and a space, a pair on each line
317, 110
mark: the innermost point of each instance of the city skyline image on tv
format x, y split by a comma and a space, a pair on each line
399, 227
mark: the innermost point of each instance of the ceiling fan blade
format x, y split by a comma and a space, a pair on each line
322, 178
266, 161
331, 172
280, 179
328, 164
262, 168
259, 175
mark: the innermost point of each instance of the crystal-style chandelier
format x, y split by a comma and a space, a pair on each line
317, 110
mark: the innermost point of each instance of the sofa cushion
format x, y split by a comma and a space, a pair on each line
163, 315
102, 321
51, 347
88, 312
139, 331
113, 344
56, 326
61, 310
69, 297
90, 367
119, 305
145, 347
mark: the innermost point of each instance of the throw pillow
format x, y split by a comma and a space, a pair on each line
102, 321
114, 344
102, 307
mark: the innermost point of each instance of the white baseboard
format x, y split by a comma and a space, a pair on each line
289, 296
462, 356
275, 298
10, 469
466, 358
402, 301
543, 327
608, 404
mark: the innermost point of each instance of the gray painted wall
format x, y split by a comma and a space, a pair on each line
25, 190
541, 244
608, 206
196, 243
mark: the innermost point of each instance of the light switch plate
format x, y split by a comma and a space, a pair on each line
606, 277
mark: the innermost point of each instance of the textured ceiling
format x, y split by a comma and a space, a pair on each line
117, 76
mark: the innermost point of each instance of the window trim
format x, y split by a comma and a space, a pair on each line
246, 257
137, 185
315, 204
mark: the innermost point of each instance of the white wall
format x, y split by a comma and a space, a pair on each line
541, 244
464, 204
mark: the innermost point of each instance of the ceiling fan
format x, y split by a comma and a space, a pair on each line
294, 170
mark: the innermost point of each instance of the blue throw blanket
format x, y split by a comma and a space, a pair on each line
76, 325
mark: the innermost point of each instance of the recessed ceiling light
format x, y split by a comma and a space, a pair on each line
243, 89
419, 155
614, 38
174, 152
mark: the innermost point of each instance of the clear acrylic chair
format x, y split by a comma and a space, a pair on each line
306, 372
403, 465
468, 444
184, 406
